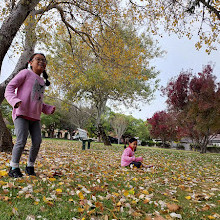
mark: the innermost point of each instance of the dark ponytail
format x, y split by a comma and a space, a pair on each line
47, 82
131, 140
26, 65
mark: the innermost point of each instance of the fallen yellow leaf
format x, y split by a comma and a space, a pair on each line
3, 173
145, 192
80, 194
59, 191
211, 217
119, 203
126, 193
2, 183
80, 209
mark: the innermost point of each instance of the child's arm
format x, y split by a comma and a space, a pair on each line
48, 109
137, 159
126, 156
10, 95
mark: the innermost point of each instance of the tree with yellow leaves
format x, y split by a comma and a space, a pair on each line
120, 73
184, 18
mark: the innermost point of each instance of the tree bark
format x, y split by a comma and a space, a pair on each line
204, 145
103, 135
6, 144
12, 24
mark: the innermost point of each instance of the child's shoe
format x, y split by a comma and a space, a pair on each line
30, 171
16, 173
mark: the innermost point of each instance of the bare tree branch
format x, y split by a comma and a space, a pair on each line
211, 8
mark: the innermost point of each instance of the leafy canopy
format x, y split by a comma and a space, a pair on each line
120, 72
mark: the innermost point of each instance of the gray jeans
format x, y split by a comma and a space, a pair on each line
22, 127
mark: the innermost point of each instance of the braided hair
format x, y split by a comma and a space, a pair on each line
131, 140
47, 83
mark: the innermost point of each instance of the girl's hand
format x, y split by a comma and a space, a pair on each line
17, 104
53, 110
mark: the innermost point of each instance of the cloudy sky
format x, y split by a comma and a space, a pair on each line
181, 55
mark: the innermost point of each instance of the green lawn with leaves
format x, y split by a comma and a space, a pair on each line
91, 184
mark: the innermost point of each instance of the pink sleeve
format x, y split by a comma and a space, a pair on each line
138, 159
10, 95
47, 109
126, 156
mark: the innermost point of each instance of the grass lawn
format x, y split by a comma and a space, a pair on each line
90, 184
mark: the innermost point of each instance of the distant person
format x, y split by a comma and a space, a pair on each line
128, 158
27, 105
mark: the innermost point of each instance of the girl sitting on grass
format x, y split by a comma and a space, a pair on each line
128, 158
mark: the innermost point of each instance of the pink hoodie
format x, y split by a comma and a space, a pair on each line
30, 88
128, 157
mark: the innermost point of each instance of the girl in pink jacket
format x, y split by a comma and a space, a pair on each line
128, 158
27, 103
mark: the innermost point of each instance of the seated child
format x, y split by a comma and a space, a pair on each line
128, 157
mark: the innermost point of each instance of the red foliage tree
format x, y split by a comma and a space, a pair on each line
196, 101
163, 126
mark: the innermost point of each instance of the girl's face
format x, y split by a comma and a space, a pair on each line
133, 145
38, 64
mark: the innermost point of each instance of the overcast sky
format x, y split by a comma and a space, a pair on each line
181, 55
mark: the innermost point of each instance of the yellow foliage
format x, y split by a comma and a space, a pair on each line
58, 191
3, 173
80, 194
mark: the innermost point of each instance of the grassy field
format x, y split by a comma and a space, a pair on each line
90, 184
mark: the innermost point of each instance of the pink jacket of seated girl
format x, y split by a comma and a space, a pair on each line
128, 157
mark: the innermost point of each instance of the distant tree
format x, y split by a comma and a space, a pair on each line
196, 102
163, 126
51, 122
132, 125
143, 130
119, 124
121, 74
137, 128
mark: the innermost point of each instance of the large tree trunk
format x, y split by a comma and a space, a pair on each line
203, 145
12, 24
6, 144
100, 106
103, 135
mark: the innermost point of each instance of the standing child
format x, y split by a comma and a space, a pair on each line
27, 105
128, 158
